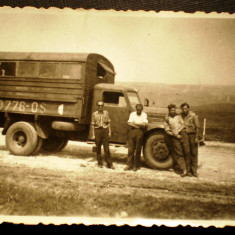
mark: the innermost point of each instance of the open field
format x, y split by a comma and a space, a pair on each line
220, 125
69, 183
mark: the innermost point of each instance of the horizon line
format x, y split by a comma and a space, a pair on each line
193, 84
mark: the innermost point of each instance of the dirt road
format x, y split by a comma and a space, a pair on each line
216, 161
146, 193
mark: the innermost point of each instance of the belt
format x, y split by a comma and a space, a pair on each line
101, 128
134, 128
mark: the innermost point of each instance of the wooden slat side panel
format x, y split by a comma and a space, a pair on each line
41, 96
39, 83
34, 84
73, 91
61, 90
41, 89
46, 80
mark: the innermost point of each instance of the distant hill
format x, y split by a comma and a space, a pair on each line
160, 95
217, 107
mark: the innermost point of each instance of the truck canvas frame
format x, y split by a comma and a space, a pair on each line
47, 99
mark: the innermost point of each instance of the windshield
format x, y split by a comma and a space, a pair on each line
133, 98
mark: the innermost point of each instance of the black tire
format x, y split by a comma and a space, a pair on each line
38, 147
54, 144
156, 152
63, 145
21, 138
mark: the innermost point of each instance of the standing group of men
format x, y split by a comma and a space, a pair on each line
101, 132
182, 128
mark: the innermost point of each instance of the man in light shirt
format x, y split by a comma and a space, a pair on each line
101, 132
137, 122
175, 127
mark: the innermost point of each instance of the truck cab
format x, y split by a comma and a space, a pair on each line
120, 101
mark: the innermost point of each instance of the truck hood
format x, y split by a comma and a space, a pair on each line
155, 114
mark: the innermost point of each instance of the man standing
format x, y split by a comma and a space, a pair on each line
192, 126
137, 123
174, 127
101, 132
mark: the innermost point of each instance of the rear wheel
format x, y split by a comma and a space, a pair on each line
156, 152
63, 145
54, 144
38, 147
21, 138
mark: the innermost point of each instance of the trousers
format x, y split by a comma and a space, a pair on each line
182, 154
194, 152
135, 142
102, 138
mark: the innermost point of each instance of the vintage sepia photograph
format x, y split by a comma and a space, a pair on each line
117, 117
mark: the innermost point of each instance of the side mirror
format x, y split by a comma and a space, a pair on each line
146, 102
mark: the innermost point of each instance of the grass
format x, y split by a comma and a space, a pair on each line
220, 134
26, 191
220, 126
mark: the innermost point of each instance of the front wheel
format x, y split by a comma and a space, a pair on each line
156, 152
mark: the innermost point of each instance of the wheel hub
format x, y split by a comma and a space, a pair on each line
160, 150
20, 138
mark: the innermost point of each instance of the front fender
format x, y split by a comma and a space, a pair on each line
155, 125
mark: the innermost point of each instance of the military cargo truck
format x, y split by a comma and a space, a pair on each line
47, 99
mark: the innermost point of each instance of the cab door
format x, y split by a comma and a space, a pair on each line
116, 104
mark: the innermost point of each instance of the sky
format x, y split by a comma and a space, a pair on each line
143, 47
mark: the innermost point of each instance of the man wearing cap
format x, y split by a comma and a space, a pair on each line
137, 123
192, 126
174, 127
101, 132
